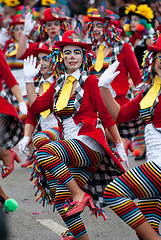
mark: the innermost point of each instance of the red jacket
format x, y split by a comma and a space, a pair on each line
7, 76
128, 65
131, 110
91, 105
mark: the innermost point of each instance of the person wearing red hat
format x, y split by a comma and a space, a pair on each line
53, 24
11, 127
16, 66
47, 128
142, 182
76, 102
108, 47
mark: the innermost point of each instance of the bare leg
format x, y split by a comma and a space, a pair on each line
147, 232
5, 156
76, 192
3, 194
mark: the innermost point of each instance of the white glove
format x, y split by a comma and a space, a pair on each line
29, 24
3, 36
121, 152
109, 74
23, 107
29, 69
22, 145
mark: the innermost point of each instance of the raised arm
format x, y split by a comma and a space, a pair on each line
104, 85
28, 26
30, 71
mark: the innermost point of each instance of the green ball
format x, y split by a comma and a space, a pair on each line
128, 34
148, 26
10, 205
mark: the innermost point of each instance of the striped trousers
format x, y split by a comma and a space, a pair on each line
144, 183
62, 161
43, 137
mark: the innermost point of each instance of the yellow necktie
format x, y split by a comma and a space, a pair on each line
44, 114
65, 93
151, 95
100, 58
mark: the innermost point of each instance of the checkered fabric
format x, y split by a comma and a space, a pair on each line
107, 172
116, 50
130, 129
11, 130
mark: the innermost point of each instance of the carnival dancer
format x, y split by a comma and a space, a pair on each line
108, 47
139, 33
141, 182
52, 26
76, 101
47, 128
11, 127
139, 29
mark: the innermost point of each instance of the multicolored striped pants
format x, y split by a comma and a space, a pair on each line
144, 183
43, 137
62, 161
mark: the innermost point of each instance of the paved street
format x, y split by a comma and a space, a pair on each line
45, 225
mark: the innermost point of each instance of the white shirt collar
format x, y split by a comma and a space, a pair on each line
75, 74
50, 79
104, 43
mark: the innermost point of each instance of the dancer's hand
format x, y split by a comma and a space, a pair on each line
3, 36
22, 145
121, 152
29, 24
30, 70
109, 74
23, 107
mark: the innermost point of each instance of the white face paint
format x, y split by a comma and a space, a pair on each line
73, 57
45, 65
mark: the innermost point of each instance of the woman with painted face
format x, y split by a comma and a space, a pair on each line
47, 128
75, 100
139, 29
141, 182
108, 47
53, 24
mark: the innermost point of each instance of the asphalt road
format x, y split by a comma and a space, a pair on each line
31, 221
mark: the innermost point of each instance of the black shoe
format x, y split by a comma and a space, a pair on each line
141, 157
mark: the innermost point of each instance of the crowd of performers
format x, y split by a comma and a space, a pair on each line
76, 94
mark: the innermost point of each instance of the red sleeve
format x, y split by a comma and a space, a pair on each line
130, 110
131, 63
5, 72
44, 102
96, 98
29, 51
31, 119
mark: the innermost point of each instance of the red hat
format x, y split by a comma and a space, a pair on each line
52, 14
158, 28
45, 48
103, 14
70, 37
157, 46
17, 19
